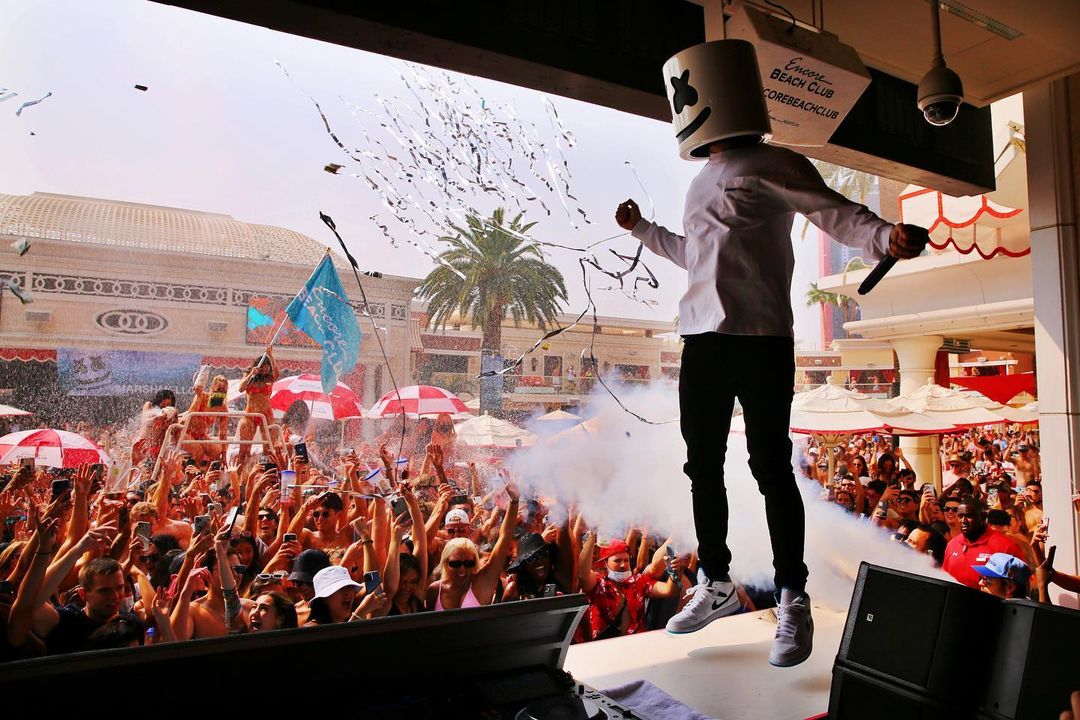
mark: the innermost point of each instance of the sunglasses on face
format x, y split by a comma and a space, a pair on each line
951, 508
455, 564
321, 513
263, 516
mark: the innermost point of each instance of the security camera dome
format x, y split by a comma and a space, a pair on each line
940, 95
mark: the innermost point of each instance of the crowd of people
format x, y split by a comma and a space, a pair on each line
218, 538
985, 527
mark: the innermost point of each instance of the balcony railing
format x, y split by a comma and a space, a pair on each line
543, 385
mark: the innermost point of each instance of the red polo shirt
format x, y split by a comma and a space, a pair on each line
963, 556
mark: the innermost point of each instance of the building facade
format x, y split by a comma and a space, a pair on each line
129, 298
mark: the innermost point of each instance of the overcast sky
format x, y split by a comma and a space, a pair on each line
221, 129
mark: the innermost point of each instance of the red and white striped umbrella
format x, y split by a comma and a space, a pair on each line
341, 403
53, 448
417, 400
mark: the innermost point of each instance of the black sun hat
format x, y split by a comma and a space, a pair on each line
528, 546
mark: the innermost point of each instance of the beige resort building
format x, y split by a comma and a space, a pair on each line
160, 291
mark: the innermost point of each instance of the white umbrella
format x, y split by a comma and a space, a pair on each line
832, 413
946, 405
832, 409
589, 427
559, 416
488, 431
8, 411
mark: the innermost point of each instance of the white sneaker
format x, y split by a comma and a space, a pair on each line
794, 630
711, 600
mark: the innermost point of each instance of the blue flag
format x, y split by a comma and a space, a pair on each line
321, 309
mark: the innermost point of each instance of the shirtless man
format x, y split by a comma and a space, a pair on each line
325, 510
205, 616
146, 512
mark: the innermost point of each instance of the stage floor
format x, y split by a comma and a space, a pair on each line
722, 671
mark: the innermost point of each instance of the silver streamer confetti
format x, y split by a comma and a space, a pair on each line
31, 103
24, 297
434, 156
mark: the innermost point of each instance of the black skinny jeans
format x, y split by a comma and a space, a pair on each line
760, 371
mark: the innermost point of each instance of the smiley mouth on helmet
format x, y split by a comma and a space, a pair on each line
694, 125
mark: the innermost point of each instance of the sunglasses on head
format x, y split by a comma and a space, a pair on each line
267, 577
455, 564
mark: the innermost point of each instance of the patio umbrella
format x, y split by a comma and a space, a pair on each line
341, 403
833, 409
945, 405
416, 401
589, 427
832, 413
558, 416
488, 431
8, 411
53, 448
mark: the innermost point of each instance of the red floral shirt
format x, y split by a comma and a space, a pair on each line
606, 601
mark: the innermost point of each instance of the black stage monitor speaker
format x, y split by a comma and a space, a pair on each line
479, 662
1037, 664
928, 636
858, 696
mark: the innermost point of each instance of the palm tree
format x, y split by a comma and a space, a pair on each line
849, 309
504, 274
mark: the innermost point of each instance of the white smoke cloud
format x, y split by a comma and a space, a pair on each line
626, 473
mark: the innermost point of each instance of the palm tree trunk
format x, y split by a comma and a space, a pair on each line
493, 329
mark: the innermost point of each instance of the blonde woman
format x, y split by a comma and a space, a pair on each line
463, 583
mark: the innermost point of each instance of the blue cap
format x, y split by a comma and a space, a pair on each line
1005, 567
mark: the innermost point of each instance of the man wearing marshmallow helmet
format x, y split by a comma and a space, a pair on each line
736, 317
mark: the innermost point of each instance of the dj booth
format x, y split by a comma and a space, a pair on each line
487, 663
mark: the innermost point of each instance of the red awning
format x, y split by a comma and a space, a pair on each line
27, 354
999, 388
